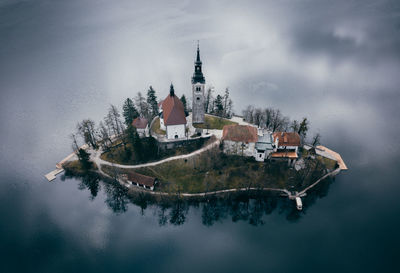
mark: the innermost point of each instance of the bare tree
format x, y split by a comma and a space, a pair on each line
229, 108
75, 146
248, 113
113, 120
258, 116
209, 98
142, 105
86, 129
316, 140
268, 117
276, 120
295, 126
226, 101
104, 135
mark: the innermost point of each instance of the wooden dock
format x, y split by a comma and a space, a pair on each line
59, 166
323, 151
52, 175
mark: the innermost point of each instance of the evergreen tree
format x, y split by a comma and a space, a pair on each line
152, 102
138, 147
183, 100
218, 106
129, 111
152, 148
84, 158
303, 128
131, 134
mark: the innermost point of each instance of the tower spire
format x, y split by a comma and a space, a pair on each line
198, 74
198, 53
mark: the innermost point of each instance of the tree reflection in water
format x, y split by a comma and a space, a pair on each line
250, 207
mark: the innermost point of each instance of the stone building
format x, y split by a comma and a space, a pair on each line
239, 139
198, 86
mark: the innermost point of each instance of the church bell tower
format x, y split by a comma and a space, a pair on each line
198, 85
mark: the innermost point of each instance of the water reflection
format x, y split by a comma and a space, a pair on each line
251, 207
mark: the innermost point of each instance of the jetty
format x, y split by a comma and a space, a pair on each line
59, 166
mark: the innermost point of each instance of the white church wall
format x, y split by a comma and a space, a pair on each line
176, 130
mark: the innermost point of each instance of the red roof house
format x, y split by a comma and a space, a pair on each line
140, 123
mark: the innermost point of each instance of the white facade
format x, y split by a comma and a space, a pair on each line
140, 185
162, 125
260, 156
239, 148
176, 131
142, 132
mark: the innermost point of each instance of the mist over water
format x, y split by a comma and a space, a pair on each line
336, 63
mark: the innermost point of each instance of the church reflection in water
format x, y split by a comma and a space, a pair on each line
244, 206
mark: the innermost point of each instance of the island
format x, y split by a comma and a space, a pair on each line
168, 149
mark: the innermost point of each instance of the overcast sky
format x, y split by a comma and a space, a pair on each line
336, 62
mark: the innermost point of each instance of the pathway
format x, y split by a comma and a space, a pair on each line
95, 156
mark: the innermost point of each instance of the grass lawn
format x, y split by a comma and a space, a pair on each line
213, 122
213, 171
156, 127
118, 154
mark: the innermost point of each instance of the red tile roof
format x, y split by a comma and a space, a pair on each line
287, 138
242, 133
141, 179
173, 111
140, 123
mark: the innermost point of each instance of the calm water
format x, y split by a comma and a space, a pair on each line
60, 63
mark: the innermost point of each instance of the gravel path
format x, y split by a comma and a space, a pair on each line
95, 157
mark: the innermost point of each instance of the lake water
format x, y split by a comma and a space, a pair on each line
49, 81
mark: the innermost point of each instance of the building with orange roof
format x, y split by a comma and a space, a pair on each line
287, 144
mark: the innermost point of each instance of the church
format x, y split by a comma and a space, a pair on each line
172, 114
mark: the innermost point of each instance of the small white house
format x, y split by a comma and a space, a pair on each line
172, 116
239, 139
142, 181
141, 125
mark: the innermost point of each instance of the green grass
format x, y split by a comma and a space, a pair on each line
214, 171
118, 154
156, 127
213, 122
